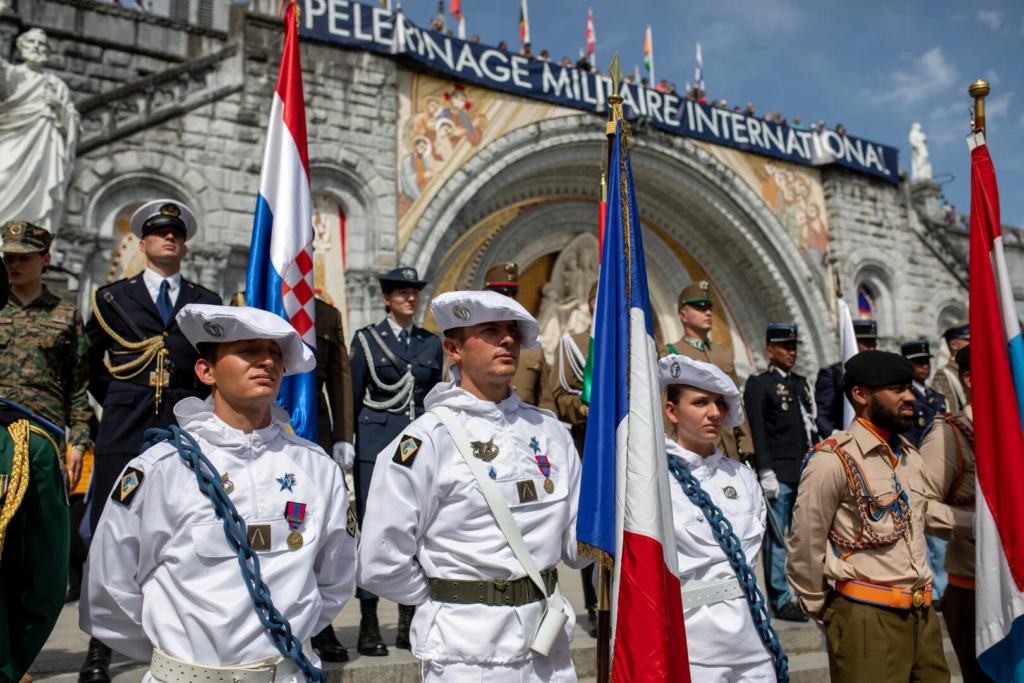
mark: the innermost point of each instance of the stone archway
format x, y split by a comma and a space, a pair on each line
540, 184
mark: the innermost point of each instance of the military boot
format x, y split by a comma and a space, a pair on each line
96, 668
370, 643
405, 615
328, 647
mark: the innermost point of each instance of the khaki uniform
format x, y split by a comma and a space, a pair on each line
947, 382
568, 405
732, 442
950, 472
877, 644
333, 373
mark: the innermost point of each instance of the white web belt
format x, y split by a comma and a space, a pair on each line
697, 593
170, 670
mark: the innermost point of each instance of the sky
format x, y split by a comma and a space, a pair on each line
874, 66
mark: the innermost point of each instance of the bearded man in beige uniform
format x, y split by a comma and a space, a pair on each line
695, 312
950, 472
859, 521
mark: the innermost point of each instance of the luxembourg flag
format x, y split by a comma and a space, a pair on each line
625, 509
280, 275
997, 377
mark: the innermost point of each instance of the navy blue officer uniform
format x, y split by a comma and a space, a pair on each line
128, 324
781, 412
927, 402
827, 394
390, 378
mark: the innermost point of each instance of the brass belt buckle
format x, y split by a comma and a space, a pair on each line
918, 598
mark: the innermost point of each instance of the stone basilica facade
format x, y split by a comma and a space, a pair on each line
179, 107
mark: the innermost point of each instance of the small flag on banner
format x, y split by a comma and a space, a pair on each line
524, 23
456, 11
648, 54
698, 71
591, 38
280, 274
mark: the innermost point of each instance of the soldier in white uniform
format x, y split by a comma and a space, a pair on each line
162, 582
430, 538
721, 637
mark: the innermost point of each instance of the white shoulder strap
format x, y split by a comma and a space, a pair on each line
571, 356
502, 514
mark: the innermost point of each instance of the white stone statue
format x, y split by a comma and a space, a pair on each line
920, 167
563, 307
38, 135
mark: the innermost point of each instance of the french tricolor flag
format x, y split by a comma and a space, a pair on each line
997, 379
625, 508
280, 275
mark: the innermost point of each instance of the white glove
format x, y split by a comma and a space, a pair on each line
344, 454
769, 483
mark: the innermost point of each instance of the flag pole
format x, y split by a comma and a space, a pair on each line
979, 90
604, 579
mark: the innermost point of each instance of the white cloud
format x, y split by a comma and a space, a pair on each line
945, 111
993, 18
931, 75
957, 18
993, 77
942, 137
998, 106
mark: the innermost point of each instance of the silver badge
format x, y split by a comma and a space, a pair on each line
409, 274
461, 312
484, 451
730, 493
675, 371
213, 329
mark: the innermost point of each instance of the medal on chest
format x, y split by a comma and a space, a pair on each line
226, 482
295, 514
544, 464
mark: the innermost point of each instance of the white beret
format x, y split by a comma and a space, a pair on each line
204, 323
706, 376
465, 309
165, 212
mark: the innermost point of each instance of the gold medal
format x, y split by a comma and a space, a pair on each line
294, 540
549, 486
226, 483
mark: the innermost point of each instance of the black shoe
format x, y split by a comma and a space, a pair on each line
327, 646
405, 615
73, 594
790, 612
96, 668
592, 623
370, 643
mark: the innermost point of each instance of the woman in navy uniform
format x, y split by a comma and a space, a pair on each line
394, 365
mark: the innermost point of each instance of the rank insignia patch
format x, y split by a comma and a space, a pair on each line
125, 490
407, 449
258, 536
527, 491
350, 523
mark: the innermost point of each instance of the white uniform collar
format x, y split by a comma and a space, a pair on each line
396, 329
779, 370
920, 388
153, 281
451, 395
196, 417
692, 460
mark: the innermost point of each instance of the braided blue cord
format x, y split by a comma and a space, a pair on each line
730, 544
234, 527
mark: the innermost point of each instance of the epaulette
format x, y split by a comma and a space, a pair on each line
196, 285
830, 445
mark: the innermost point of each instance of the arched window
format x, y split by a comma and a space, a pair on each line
866, 298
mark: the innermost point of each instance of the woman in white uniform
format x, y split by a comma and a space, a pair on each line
722, 638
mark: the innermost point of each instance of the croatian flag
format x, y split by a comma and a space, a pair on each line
625, 508
997, 378
280, 276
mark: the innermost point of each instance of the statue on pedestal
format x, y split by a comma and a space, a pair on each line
38, 134
564, 308
920, 167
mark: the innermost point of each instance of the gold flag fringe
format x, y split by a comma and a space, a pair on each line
599, 556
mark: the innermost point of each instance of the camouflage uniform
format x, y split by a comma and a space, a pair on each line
44, 364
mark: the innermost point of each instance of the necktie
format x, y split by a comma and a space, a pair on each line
403, 337
163, 301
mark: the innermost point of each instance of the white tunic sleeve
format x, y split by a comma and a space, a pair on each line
335, 564
125, 550
570, 555
398, 506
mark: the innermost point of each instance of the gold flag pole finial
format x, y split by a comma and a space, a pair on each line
615, 99
979, 90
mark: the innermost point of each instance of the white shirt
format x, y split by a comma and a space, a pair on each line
153, 281
723, 632
430, 520
160, 571
920, 387
779, 370
396, 329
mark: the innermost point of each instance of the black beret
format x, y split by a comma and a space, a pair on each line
878, 369
963, 358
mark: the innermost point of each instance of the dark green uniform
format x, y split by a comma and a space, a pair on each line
44, 371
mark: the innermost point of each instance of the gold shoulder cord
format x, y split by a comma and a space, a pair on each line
149, 348
19, 432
